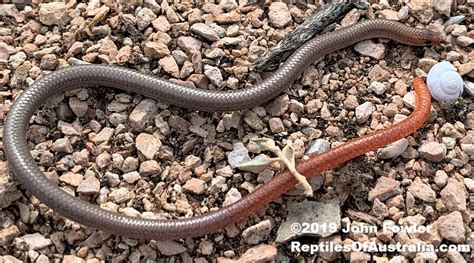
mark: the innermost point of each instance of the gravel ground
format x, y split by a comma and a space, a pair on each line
141, 157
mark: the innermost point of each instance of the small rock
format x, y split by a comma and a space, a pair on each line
8, 234
72, 259
276, 125
103, 136
170, 66
385, 188
321, 213
214, 74
259, 253
227, 18
377, 87
238, 155
131, 177
433, 151
232, 196
195, 186
62, 145
53, 13
204, 31
206, 247
377, 73
257, 233
370, 49
169, 248
441, 178
144, 18
142, 113
421, 10
252, 119
34, 241
190, 45
443, 6
364, 111
78, 106
465, 41
350, 102
455, 256
161, 24
150, 167
71, 178
278, 106
389, 14
103, 160
89, 186
318, 146
156, 50
454, 196
148, 145
394, 149
451, 227
279, 14
422, 191
120, 195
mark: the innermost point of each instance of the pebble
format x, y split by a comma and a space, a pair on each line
120, 195
276, 125
421, 10
144, 17
214, 74
377, 87
8, 234
204, 31
364, 111
62, 145
89, 186
143, 113
441, 178
259, 253
443, 6
318, 146
156, 50
170, 66
394, 149
252, 119
232, 196
206, 247
34, 241
195, 186
103, 136
71, 178
451, 227
465, 41
169, 248
78, 106
385, 188
321, 213
257, 233
422, 191
278, 106
454, 196
53, 13
148, 145
150, 167
433, 151
377, 73
238, 155
370, 49
131, 177
189, 44
279, 14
